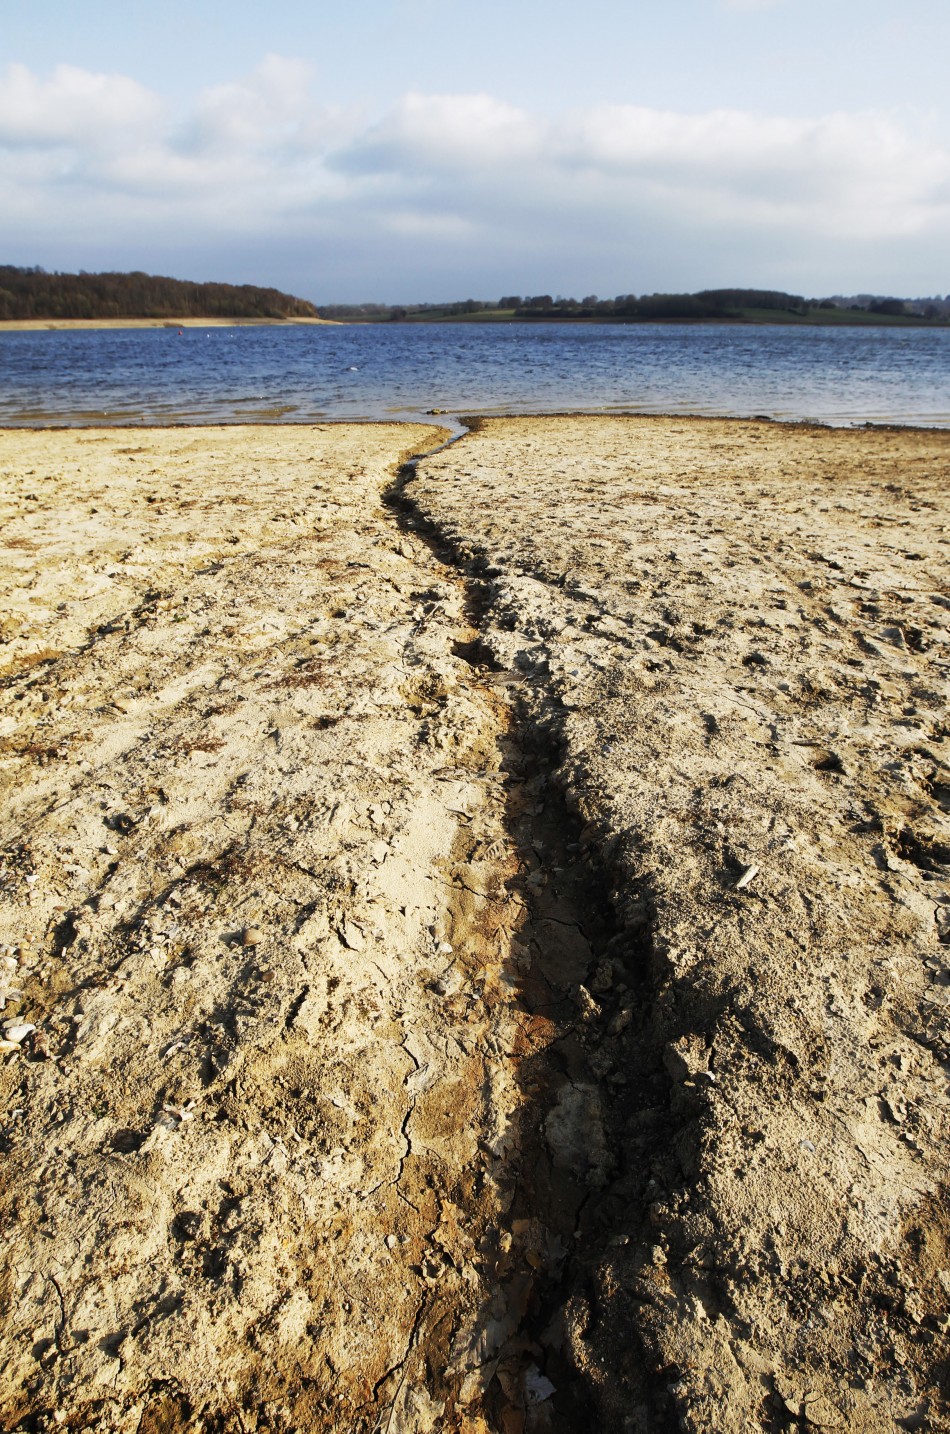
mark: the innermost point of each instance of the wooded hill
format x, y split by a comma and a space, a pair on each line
35, 294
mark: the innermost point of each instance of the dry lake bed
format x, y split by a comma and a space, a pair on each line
475, 935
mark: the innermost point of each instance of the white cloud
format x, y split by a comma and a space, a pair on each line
244, 153
460, 180
73, 107
269, 109
445, 131
839, 175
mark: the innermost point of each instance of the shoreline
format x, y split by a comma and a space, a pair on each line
68, 325
470, 422
795, 322
472, 926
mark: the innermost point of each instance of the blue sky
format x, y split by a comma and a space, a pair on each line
426, 149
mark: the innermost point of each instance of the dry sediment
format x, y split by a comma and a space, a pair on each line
738, 636
254, 902
485, 948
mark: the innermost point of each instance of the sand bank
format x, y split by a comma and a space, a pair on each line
487, 949
31, 325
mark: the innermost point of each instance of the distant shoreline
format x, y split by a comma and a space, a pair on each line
31, 325
813, 320
827, 320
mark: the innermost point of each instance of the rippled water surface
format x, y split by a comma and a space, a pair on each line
839, 376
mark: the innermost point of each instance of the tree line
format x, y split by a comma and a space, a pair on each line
32, 293
721, 304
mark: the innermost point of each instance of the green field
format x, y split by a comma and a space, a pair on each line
834, 318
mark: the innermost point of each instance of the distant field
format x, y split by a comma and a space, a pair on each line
835, 318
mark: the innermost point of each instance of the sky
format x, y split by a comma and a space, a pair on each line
422, 150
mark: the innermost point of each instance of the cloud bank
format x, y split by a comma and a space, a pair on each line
450, 187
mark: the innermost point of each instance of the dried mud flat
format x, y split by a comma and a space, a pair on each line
474, 934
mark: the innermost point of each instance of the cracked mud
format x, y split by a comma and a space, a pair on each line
472, 933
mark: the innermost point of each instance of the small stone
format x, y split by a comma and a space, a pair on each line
620, 1021
252, 936
537, 1386
603, 978
391, 1242
747, 877
353, 936
18, 1031
821, 1413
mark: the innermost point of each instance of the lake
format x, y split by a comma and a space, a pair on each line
276, 374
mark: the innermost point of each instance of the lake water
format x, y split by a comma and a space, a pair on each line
275, 374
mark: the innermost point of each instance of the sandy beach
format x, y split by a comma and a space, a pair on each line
475, 936
33, 325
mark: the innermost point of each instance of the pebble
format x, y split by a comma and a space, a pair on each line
353, 936
747, 877
18, 1031
252, 936
537, 1386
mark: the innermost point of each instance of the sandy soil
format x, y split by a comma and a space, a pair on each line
474, 937
30, 325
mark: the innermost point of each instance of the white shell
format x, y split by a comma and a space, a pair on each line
18, 1032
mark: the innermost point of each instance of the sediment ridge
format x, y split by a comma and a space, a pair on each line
473, 928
